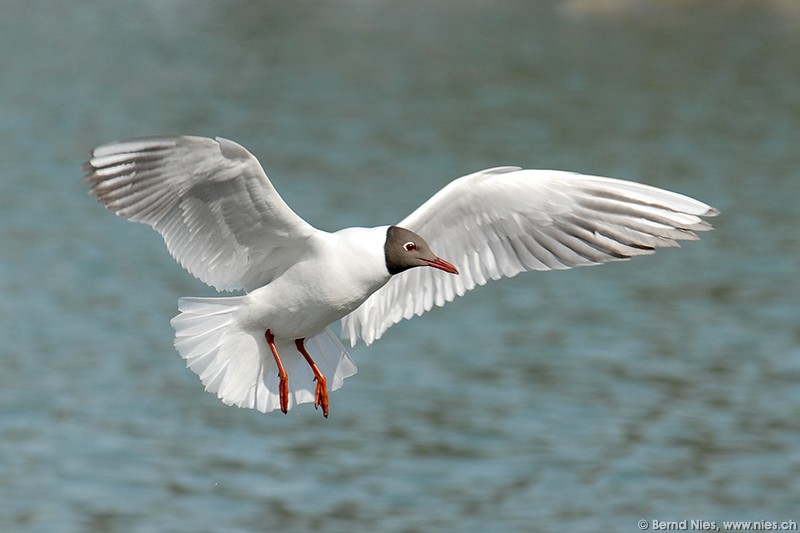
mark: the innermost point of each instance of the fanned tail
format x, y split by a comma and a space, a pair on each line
236, 363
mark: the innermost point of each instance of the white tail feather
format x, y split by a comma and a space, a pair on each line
237, 364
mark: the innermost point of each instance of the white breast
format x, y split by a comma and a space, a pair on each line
338, 274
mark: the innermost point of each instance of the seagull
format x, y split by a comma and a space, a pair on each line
272, 347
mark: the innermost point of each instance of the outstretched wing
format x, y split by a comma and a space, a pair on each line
503, 221
210, 200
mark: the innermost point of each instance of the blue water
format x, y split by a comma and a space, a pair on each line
664, 388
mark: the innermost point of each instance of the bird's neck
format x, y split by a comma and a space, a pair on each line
359, 254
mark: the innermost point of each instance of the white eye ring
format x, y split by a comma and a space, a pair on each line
409, 246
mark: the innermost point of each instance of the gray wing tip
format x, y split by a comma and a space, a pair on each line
118, 152
102, 159
111, 167
87, 167
704, 225
135, 145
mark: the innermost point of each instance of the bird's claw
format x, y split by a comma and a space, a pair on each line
321, 394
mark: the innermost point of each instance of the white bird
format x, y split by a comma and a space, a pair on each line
225, 223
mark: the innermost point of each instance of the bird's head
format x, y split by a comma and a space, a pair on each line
405, 249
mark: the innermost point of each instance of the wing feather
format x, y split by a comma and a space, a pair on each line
503, 221
220, 216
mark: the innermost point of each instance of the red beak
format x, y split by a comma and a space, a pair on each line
441, 264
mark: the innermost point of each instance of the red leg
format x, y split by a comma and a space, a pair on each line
283, 387
321, 394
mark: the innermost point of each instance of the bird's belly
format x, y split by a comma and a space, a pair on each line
293, 310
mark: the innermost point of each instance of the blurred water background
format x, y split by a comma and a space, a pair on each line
664, 388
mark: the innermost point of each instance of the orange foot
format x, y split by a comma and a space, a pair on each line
321, 392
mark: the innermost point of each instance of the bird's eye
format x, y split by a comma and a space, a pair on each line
409, 246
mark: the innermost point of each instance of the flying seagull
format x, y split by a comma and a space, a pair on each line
223, 221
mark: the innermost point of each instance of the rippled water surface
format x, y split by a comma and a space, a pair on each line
664, 388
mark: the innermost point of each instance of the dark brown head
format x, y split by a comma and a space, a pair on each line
405, 249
